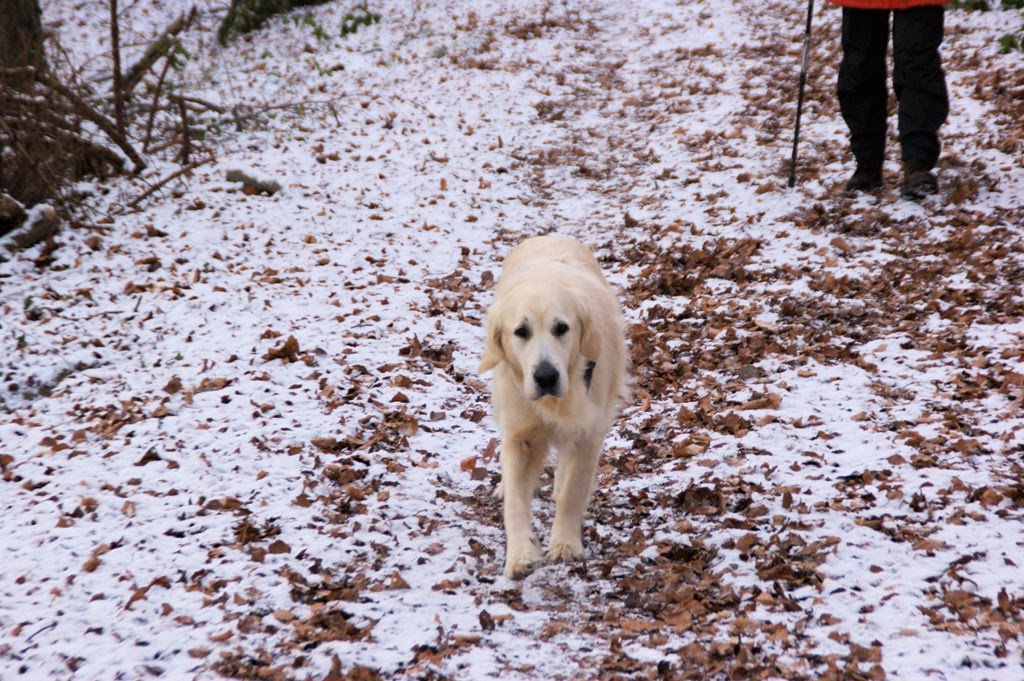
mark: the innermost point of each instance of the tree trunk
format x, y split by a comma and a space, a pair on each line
21, 45
43, 143
21, 34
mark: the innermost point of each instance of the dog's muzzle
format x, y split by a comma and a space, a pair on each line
546, 378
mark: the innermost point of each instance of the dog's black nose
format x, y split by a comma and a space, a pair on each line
546, 378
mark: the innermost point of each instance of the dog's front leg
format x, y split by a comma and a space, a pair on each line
575, 483
521, 465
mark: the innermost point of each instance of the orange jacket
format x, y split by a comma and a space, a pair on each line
886, 4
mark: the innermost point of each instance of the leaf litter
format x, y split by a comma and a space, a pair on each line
244, 436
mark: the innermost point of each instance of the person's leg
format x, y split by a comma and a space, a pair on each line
862, 91
920, 84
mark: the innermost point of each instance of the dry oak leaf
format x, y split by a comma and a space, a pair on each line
326, 444
287, 351
734, 424
212, 384
640, 626
928, 545
160, 412
841, 244
149, 457
766, 401
990, 497
695, 653
746, 542
447, 585
396, 581
689, 448
486, 621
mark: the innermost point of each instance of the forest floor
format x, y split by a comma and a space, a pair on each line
243, 435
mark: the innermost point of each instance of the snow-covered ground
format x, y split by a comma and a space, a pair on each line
244, 435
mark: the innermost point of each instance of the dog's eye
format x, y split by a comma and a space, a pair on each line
561, 328
522, 332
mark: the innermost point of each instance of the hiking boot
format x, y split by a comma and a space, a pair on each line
866, 178
918, 182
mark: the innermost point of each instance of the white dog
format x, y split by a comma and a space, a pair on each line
555, 343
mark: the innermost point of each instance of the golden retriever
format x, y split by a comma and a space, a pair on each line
554, 339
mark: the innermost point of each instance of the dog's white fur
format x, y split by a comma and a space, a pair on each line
553, 311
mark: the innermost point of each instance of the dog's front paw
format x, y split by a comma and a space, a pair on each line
565, 550
519, 559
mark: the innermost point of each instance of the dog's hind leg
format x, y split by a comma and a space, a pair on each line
574, 484
521, 464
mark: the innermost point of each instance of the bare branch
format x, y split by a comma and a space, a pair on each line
82, 108
204, 104
170, 178
160, 47
156, 100
115, 49
186, 146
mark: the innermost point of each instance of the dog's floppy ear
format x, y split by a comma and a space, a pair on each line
494, 353
590, 332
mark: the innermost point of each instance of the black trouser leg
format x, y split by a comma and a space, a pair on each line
919, 82
861, 87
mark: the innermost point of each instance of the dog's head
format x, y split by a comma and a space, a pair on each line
545, 335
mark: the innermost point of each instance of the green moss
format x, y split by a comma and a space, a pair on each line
248, 15
358, 17
978, 5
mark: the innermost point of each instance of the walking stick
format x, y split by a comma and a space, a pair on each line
800, 96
